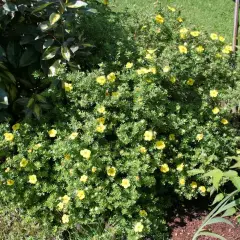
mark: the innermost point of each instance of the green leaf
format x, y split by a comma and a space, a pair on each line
50, 53
8, 76
40, 98
41, 7
29, 56
194, 172
219, 220
230, 174
236, 182
30, 102
65, 53
48, 43
217, 175
13, 53
37, 111
76, 4
53, 68
210, 234
54, 17
219, 197
229, 212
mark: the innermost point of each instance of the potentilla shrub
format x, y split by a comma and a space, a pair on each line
123, 142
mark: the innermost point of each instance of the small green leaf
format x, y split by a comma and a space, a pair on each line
65, 53
40, 98
76, 4
41, 7
229, 212
54, 17
37, 111
30, 102
217, 175
236, 182
50, 53
194, 172
218, 198
230, 174
53, 69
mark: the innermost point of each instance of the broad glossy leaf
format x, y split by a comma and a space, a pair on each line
65, 53
53, 68
2, 53
13, 53
229, 212
54, 17
50, 53
76, 4
48, 43
41, 7
28, 57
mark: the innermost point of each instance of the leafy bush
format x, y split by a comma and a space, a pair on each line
124, 138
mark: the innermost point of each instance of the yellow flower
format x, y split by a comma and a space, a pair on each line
137, 178
83, 178
149, 56
224, 121
101, 80
199, 137
171, 9
214, 36
238, 151
81, 194
215, 110
142, 70
23, 162
67, 156
160, 145
182, 49
85, 153
111, 77
218, 55
172, 137
111, 171
159, 19
164, 168
227, 49
52, 133
152, 70
183, 30
190, 82
202, 189
68, 87
213, 93
7, 169
180, 167
129, 65
143, 213
138, 227
151, 51
94, 169
182, 181
115, 94
101, 109
101, 120
73, 135
60, 206
65, 218
195, 33
16, 126
10, 182
193, 185
32, 179
183, 36
143, 150
125, 183
173, 79
221, 39
65, 199
37, 146
148, 135
200, 49
100, 128
8, 136
179, 19
166, 69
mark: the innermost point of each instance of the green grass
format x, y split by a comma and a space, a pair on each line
211, 15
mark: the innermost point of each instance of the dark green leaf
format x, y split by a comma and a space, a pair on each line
41, 7
13, 53
76, 4
29, 56
48, 43
37, 111
65, 53
50, 53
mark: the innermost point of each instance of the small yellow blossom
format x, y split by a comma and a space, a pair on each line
149, 56
183, 30
60, 206
202, 189
111, 171
125, 183
171, 137
111, 77
142, 71
213, 93
52, 133
166, 69
164, 168
10, 182
94, 169
85, 153
199, 137
151, 51
180, 167
159, 19
100, 128
183, 35
193, 185
215, 110
101, 120
115, 94
37, 146
172, 79
129, 65
143, 213
224, 121
23, 162
171, 9
101, 80
200, 49
182, 49
227, 49
73, 135
65, 199
179, 19
148, 135
195, 33
8, 136
142, 149
65, 218
138, 227
137, 178
190, 82
81, 194
67, 156
160, 145
214, 36
83, 178
32, 179
182, 181
68, 87
16, 126
218, 55
101, 109
221, 39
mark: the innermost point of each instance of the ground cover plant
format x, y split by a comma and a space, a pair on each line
123, 140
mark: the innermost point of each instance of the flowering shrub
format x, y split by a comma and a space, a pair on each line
124, 141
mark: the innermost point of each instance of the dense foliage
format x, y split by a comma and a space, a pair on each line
121, 141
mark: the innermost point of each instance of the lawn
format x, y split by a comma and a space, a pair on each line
212, 15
